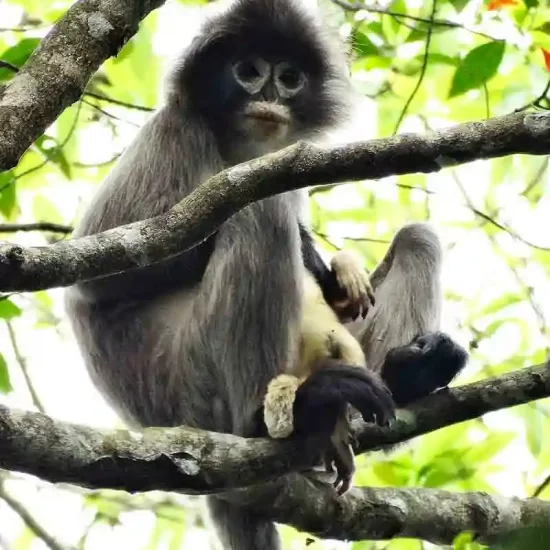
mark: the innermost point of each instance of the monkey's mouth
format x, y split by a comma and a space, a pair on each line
265, 112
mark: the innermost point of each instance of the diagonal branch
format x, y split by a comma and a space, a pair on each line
199, 462
29, 520
57, 73
301, 165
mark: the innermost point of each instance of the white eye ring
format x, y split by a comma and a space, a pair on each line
289, 79
251, 73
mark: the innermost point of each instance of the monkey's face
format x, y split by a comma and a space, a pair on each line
263, 104
261, 76
267, 92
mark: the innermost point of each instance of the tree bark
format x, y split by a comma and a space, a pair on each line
301, 165
57, 72
199, 462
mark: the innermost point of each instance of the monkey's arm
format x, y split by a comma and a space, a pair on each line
346, 287
151, 280
313, 262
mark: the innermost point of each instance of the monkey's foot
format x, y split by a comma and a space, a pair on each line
354, 281
321, 398
428, 363
339, 457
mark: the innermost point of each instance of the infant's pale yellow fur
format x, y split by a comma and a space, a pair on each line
322, 336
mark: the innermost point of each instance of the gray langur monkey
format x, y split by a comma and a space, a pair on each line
195, 339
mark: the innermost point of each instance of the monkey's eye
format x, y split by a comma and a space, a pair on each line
247, 70
291, 77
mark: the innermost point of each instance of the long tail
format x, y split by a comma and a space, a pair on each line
238, 529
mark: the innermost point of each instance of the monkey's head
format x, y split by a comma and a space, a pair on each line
262, 75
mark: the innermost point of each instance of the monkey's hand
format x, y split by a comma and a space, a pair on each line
353, 280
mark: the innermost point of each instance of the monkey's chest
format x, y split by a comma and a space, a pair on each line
260, 259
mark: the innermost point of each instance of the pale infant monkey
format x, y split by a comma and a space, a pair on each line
325, 342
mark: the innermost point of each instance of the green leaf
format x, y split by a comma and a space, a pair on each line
17, 55
5, 384
459, 5
8, 310
390, 474
535, 435
363, 45
493, 444
479, 65
8, 199
465, 541
531, 3
500, 303
545, 28
53, 151
421, 30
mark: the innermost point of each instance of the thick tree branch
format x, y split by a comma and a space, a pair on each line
56, 74
198, 462
298, 166
366, 513
454, 405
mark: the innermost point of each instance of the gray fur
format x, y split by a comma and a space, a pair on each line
195, 340
407, 289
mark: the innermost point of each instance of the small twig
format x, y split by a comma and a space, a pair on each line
326, 238
358, 6
536, 179
24, 368
9, 66
97, 164
118, 102
537, 102
422, 69
37, 226
541, 487
107, 114
47, 159
28, 518
511, 232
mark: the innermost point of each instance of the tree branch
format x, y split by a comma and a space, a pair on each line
37, 226
301, 165
198, 462
454, 405
56, 74
29, 519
